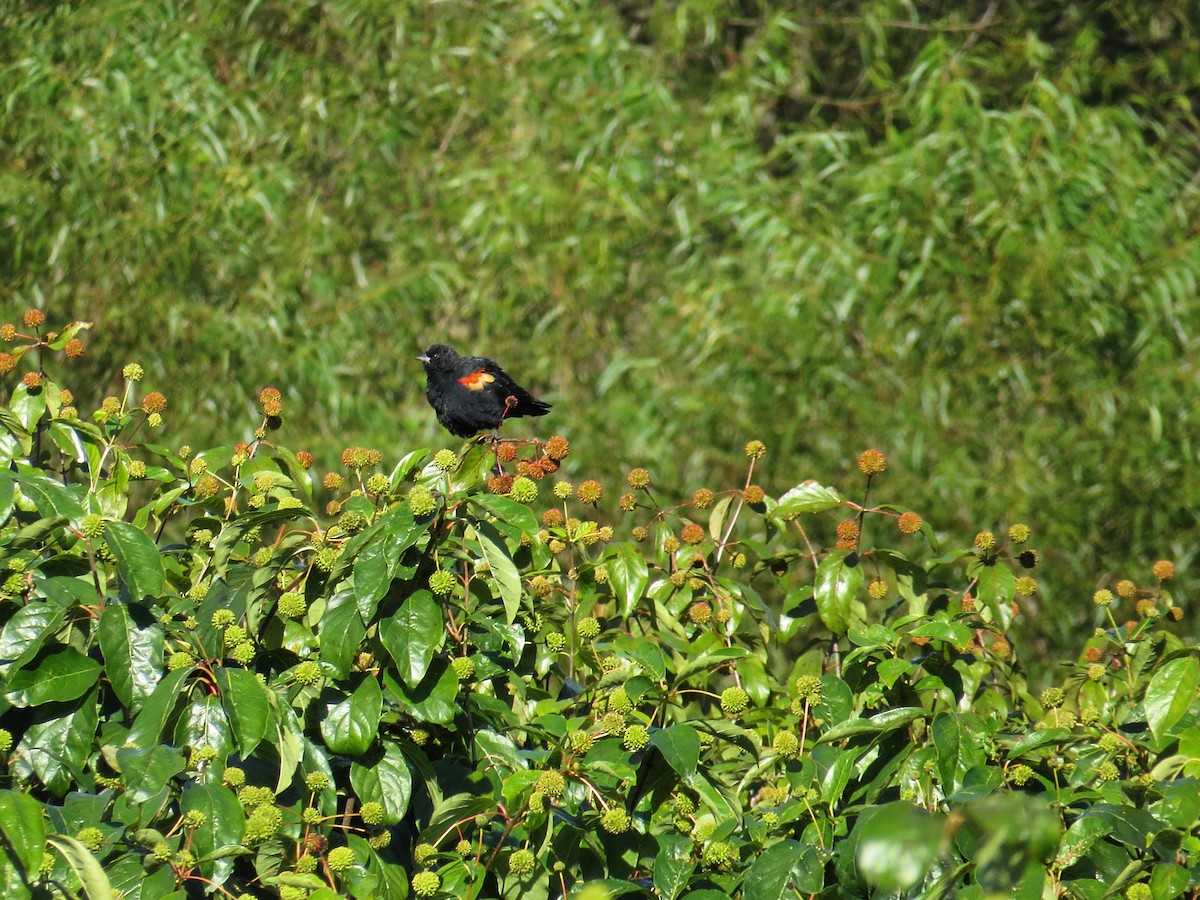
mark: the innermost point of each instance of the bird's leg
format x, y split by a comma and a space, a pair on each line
510, 402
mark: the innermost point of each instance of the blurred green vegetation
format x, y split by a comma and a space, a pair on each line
964, 233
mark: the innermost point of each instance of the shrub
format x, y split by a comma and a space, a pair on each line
216, 674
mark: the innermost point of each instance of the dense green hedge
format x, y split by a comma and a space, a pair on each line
959, 232
538, 684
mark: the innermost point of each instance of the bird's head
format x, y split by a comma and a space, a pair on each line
438, 356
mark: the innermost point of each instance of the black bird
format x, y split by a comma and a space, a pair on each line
471, 394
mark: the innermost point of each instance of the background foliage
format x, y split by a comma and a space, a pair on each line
520, 685
965, 233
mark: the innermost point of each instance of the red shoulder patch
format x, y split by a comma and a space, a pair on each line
477, 380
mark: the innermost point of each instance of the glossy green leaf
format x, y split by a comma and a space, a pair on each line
23, 825
838, 580
770, 877
341, 630
138, 560
26, 632
202, 722
51, 497
371, 578
414, 635
1169, 880
888, 720
224, 825
807, 497
29, 406
673, 865
350, 726
516, 514
996, 588
129, 877
62, 675
70, 332
85, 866
628, 576
58, 743
680, 747
435, 699
503, 573
1171, 691
455, 808
8, 493
133, 653
150, 722
386, 779
808, 874
147, 772
247, 705
958, 739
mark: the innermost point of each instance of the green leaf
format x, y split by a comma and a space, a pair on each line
996, 588
8, 494
29, 406
24, 828
341, 630
414, 635
835, 768
386, 780
1168, 880
203, 723
1004, 834
247, 705
51, 497
1170, 693
503, 574
837, 583
129, 876
808, 874
516, 514
224, 825
34, 535
139, 563
56, 746
958, 739
147, 772
435, 699
1036, 739
24, 634
349, 727
888, 720
64, 675
150, 722
69, 333
891, 670
371, 578
628, 577
86, 867
898, 844
680, 747
806, 498
457, 808
673, 866
133, 655
1079, 838
770, 876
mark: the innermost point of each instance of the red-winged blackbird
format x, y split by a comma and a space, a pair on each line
471, 394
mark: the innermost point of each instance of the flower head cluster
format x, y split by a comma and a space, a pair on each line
872, 462
271, 402
360, 458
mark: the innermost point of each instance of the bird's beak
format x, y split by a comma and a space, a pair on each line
423, 358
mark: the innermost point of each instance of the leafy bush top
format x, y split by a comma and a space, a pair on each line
472, 675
